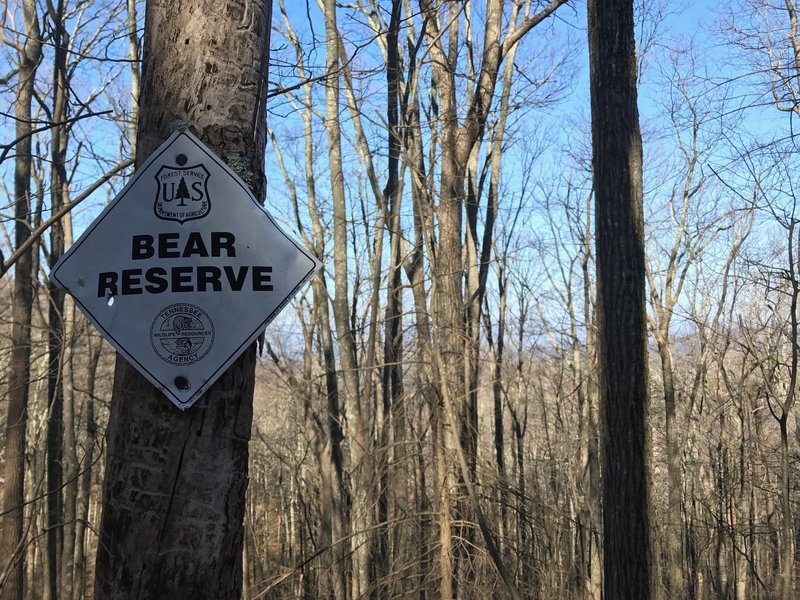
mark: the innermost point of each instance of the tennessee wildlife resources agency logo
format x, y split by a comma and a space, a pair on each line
182, 193
182, 334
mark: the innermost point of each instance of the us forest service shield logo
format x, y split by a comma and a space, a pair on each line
182, 193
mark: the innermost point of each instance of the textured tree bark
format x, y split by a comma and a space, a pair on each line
359, 517
87, 439
175, 481
350, 389
70, 449
59, 196
395, 472
622, 334
590, 453
134, 51
673, 535
12, 521
787, 539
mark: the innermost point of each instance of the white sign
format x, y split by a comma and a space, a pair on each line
184, 269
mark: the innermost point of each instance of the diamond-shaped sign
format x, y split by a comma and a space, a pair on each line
184, 269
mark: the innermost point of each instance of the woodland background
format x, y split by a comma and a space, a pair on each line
354, 486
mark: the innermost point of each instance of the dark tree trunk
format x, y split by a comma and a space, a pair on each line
12, 520
394, 472
622, 349
59, 195
173, 505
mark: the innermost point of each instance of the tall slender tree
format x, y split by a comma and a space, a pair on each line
622, 328
29, 49
59, 196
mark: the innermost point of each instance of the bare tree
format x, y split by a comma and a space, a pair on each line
622, 328
774, 346
458, 142
156, 454
684, 221
12, 531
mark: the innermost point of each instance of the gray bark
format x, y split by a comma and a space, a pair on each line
175, 482
12, 520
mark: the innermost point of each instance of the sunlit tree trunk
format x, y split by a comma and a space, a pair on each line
361, 474
134, 51
590, 453
329, 449
153, 542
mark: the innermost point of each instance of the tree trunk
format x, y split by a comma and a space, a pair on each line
59, 196
87, 439
622, 334
329, 433
592, 459
787, 522
134, 50
175, 481
673, 533
12, 522
360, 515
70, 450
787, 537
395, 474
